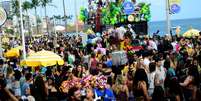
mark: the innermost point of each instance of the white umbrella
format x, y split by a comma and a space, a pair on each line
59, 28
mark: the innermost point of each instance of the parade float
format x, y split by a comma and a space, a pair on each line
103, 13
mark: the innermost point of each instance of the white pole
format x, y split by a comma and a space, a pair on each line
76, 19
22, 30
168, 26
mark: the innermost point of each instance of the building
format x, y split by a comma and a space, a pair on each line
7, 5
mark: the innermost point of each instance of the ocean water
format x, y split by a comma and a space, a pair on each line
185, 25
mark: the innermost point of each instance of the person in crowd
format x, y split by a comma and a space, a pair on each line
151, 77
158, 94
39, 89
160, 72
52, 91
140, 83
78, 71
93, 64
120, 89
26, 85
103, 93
74, 94
191, 84
89, 95
16, 83
5, 93
171, 85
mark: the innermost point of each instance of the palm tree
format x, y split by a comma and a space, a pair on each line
65, 17
44, 4
35, 4
15, 12
58, 18
26, 6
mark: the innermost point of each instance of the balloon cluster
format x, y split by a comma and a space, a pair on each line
145, 12
83, 14
111, 13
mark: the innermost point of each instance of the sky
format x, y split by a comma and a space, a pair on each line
189, 9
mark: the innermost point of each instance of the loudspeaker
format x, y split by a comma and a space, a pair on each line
140, 28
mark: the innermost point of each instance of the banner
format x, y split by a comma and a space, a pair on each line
175, 6
175, 2
3, 16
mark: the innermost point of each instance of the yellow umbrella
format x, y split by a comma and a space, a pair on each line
42, 58
30, 52
13, 52
191, 33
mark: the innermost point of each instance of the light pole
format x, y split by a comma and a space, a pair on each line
168, 22
76, 19
22, 30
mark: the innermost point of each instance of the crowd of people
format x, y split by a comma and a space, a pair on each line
163, 69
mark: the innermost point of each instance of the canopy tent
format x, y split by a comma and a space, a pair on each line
42, 58
59, 28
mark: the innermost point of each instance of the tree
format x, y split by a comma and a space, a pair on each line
65, 17
15, 12
15, 8
26, 6
44, 4
35, 4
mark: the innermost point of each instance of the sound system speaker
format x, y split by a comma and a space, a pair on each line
140, 28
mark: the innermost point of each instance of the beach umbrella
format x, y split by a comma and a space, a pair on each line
191, 33
42, 58
13, 52
30, 52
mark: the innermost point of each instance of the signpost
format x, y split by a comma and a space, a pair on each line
3, 18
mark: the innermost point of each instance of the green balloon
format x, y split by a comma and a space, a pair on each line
122, 20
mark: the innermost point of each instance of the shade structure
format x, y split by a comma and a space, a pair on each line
191, 33
59, 28
13, 52
42, 58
